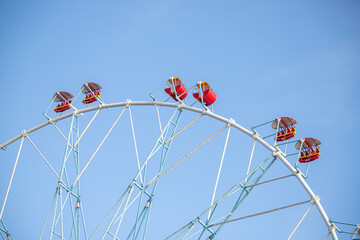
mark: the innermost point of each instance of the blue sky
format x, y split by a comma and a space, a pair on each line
264, 59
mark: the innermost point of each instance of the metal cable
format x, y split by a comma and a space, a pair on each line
307, 211
187, 155
135, 145
261, 213
271, 180
158, 116
63, 136
87, 164
43, 157
197, 118
251, 156
219, 171
82, 134
12, 176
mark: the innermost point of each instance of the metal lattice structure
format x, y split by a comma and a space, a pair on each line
66, 218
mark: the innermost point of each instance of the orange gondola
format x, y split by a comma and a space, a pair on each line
176, 89
310, 149
64, 99
204, 93
91, 90
286, 128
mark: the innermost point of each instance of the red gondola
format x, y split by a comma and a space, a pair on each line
310, 149
174, 87
204, 93
64, 99
92, 90
286, 129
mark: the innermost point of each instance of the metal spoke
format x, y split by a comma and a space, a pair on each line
141, 221
307, 211
219, 171
122, 215
275, 179
86, 128
58, 189
42, 156
12, 176
97, 149
158, 117
251, 156
56, 127
108, 214
59, 222
188, 125
252, 178
48, 214
187, 155
130, 190
261, 213
204, 221
135, 145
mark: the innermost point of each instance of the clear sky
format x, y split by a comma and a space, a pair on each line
263, 58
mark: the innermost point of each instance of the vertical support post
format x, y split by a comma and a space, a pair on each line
119, 210
71, 195
168, 136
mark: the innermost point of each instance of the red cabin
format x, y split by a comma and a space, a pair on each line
91, 90
204, 93
286, 128
310, 149
64, 99
176, 89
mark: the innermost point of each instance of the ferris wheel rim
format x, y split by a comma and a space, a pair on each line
231, 122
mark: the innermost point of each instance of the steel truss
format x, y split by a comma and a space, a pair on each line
4, 233
145, 193
67, 193
245, 186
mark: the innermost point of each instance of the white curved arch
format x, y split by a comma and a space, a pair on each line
276, 152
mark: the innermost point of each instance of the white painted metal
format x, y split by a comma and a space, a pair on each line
86, 128
12, 176
135, 145
42, 156
297, 225
97, 149
219, 171
251, 156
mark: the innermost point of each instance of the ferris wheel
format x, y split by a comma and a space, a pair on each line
152, 147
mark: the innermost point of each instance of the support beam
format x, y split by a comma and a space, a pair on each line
97, 149
261, 213
219, 171
12, 176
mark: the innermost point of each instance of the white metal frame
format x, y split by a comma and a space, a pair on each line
275, 151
